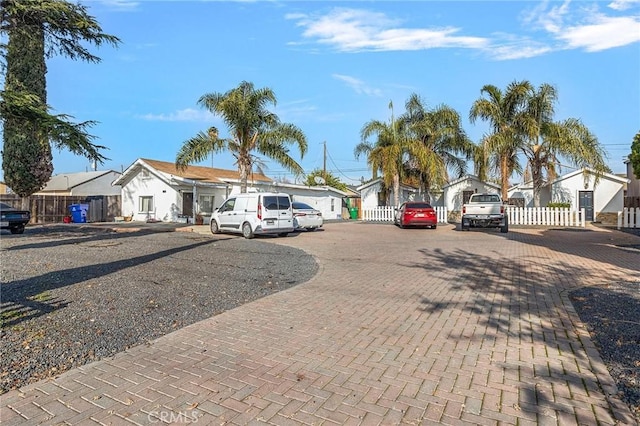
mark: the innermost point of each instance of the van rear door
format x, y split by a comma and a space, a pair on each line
276, 212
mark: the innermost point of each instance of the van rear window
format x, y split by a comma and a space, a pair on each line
272, 202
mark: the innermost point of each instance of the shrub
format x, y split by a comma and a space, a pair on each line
559, 205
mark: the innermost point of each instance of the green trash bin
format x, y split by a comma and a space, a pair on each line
353, 212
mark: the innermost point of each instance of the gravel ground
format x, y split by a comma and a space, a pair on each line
69, 298
612, 316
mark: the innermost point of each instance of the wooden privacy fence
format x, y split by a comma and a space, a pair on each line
631, 202
629, 218
546, 216
387, 214
53, 208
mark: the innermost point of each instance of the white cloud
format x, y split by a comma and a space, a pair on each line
121, 5
352, 30
188, 114
586, 27
623, 4
604, 33
551, 26
359, 86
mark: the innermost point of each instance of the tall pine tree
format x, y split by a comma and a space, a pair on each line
37, 29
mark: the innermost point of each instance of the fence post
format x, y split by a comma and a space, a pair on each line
620, 219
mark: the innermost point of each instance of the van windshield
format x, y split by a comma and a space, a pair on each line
279, 202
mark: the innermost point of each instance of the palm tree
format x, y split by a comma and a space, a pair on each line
548, 141
436, 138
253, 128
504, 112
387, 154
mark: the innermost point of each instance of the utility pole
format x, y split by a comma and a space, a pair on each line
324, 163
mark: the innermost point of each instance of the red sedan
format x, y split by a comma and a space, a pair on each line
416, 213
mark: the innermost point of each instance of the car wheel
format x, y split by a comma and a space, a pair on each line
247, 232
214, 227
401, 224
505, 228
434, 226
17, 230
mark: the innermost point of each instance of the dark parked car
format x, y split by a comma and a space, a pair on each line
13, 219
415, 213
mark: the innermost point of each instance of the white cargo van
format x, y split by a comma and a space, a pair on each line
254, 213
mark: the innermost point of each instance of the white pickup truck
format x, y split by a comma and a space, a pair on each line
484, 211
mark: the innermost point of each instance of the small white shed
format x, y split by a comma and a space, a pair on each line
600, 200
373, 196
458, 192
325, 198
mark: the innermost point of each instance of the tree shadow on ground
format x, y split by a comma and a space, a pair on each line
73, 236
521, 300
609, 246
26, 299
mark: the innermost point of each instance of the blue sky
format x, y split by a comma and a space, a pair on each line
336, 65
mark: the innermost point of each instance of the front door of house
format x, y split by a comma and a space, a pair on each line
585, 201
187, 204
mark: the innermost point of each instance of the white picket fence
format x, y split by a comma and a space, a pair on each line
387, 213
546, 216
629, 218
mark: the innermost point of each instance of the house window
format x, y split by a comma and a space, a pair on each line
205, 203
333, 203
144, 174
146, 204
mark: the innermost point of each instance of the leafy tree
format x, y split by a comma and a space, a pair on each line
388, 153
328, 178
435, 139
253, 128
36, 30
547, 141
504, 112
634, 157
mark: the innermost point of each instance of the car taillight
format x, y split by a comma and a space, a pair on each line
464, 209
299, 214
259, 210
501, 209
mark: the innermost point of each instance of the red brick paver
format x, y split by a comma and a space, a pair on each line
398, 327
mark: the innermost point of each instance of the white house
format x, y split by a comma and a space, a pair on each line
324, 198
82, 184
457, 192
373, 195
156, 190
601, 200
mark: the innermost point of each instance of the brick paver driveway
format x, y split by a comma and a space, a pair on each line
398, 327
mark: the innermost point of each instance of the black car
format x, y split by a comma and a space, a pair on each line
13, 219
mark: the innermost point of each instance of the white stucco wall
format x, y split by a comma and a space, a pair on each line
165, 203
608, 195
330, 205
369, 195
453, 193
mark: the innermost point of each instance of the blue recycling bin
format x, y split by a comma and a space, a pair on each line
79, 212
